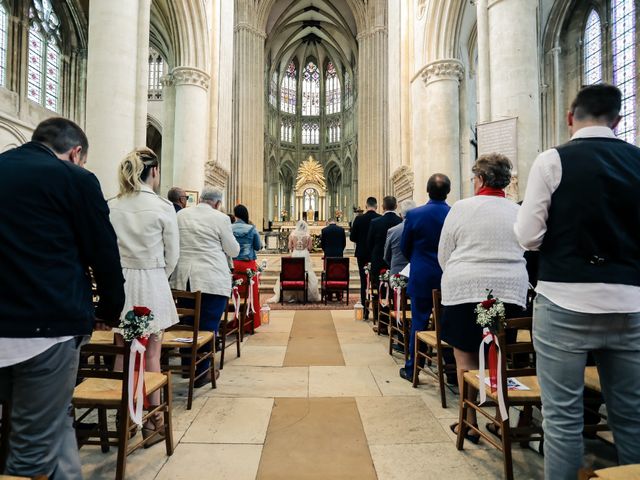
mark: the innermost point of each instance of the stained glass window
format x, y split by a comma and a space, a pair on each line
287, 130
624, 64
288, 90
593, 50
273, 90
310, 133
348, 90
334, 130
333, 92
157, 69
43, 73
311, 90
4, 37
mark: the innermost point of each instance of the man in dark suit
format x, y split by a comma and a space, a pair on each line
333, 240
359, 234
419, 244
50, 238
378, 236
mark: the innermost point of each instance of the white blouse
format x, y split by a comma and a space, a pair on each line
479, 251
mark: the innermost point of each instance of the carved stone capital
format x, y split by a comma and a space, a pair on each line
215, 175
247, 27
450, 69
167, 81
190, 76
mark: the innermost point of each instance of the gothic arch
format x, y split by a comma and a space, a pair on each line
179, 31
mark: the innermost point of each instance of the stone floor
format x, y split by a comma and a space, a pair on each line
223, 435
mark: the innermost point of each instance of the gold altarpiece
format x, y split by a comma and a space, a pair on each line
311, 192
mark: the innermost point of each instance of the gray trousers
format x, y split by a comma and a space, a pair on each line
43, 440
562, 339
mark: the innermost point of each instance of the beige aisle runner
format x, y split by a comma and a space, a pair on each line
313, 341
315, 438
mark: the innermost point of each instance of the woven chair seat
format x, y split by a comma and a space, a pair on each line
429, 337
524, 336
168, 339
102, 338
9, 477
394, 315
592, 379
108, 392
623, 472
531, 395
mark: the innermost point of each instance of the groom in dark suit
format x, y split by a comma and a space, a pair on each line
333, 240
359, 235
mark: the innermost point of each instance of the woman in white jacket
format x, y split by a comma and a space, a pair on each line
149, 244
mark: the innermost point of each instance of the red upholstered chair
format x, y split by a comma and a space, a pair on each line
335, 278
293, 277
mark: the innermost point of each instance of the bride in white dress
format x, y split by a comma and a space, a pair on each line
300, 245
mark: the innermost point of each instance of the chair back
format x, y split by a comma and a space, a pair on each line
509, 349
436, 294
337, 269
188, 304
243, 289
293, 269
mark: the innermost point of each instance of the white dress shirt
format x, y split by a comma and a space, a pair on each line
531, 227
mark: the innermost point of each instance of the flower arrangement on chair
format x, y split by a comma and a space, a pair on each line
135, 328
284, 214
384, 282
367, 273
489, 314
338, 213
397, 282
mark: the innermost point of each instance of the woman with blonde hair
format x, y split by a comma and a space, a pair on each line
149, 245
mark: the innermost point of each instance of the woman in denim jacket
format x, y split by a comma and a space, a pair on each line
248, 238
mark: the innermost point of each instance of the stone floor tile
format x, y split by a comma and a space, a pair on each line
231, 420
237, 381
363, 354
342, 382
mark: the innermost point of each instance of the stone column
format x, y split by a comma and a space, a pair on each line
247, 155
484, 62
111, 87
515, 84
144, 22
373, 146
442, 135
168, 133
190, 141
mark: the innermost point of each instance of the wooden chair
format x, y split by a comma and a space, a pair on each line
189, 350
293, 277
431, 347
526, 431
247, 317
108, 390
335, 278
622, 472
231, 328
400, 328
592, 382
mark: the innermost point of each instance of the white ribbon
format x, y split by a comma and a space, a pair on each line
250, 301
235, 298
487, 338
368, 286
135, 411
396, 299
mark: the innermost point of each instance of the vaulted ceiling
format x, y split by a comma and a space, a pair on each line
318, 29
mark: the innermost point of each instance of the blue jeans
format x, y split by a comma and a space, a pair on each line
562, 339
211, 310
420, 313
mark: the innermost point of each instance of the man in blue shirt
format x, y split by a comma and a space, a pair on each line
419, 245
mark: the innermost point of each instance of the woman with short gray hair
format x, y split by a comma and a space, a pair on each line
479, 252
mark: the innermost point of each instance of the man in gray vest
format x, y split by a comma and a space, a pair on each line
582, 212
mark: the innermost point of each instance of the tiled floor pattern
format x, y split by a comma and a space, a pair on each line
222, 437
